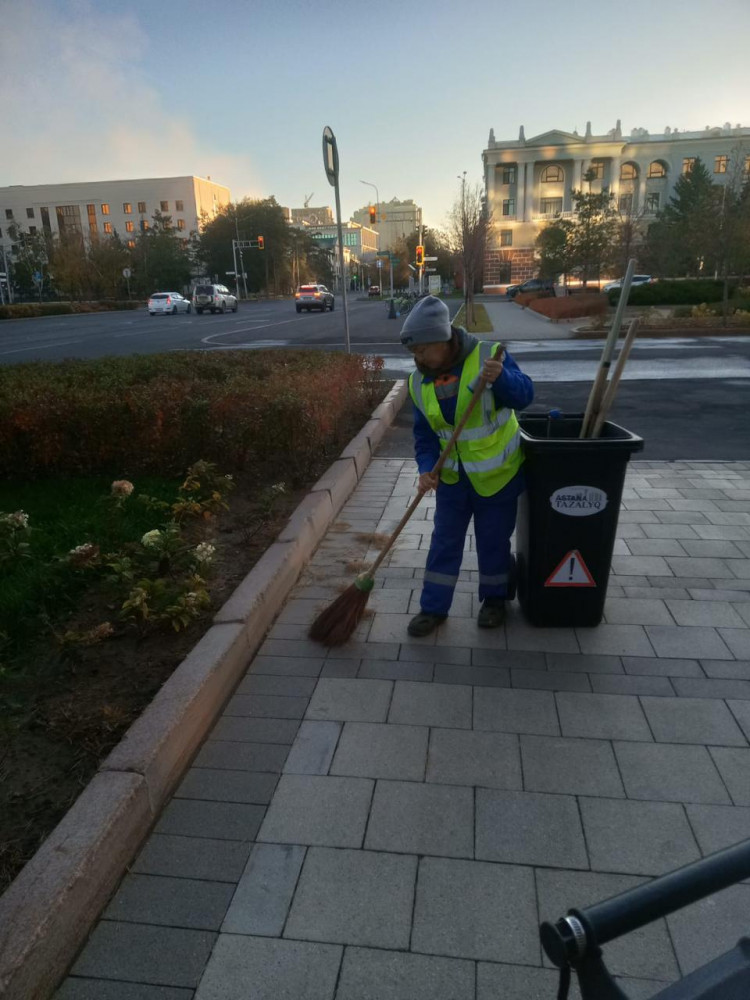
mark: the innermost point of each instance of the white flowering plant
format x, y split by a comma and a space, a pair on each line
14, 535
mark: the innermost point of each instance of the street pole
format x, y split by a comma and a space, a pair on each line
331, 165
421, 266
390, 261
239, 253
236, 273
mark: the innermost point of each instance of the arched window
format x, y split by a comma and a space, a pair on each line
657, 169
628, 172
552, 174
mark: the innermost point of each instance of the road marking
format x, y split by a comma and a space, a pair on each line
249, 329
41, 347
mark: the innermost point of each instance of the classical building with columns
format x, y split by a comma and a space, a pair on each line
529, 182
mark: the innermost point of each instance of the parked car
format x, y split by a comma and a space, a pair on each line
313, 297
216, 298
638, 279
532, 285
373, 290
168, 302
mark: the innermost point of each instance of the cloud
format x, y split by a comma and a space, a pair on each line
79, 105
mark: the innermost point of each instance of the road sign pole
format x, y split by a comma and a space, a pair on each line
390, 261
331, 164
236, 273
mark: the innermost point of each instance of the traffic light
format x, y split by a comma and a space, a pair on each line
373, 215
420, 256
260, 243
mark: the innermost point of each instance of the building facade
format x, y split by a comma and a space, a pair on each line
309, 216
395, 220
529, 182
361, 245
95, 208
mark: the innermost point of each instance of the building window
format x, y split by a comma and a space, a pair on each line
509, 175
506, 237
93, 227
180, 223
628, 172
8, 213
652, 202
657, 169
179, 206
32, 230
30, 211
127, 208
129, 226
551, 206
131, 244
597, 169
509, 206
105, 208
553, 174
687, 164
144, 225
69, 219
141, 207
626, 204
164, 205
107, 227
720, 164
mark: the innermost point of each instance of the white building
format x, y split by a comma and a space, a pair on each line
528, 182
394, 220
102, 207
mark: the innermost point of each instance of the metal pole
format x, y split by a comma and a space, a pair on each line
236, 275
244, 279
390, 261
341, 258
421, 266
239, 252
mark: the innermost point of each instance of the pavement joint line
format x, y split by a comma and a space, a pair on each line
71, 886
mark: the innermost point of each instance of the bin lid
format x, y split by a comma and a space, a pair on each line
541, 433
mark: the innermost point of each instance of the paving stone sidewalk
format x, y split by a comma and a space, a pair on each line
391, 820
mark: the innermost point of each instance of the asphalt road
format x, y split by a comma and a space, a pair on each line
687, 397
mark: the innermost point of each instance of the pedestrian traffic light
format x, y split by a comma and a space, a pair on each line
373, 215
420, 256
260, 243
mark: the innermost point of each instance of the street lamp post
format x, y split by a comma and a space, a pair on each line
377, 198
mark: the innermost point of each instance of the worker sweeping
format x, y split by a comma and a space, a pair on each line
483, 477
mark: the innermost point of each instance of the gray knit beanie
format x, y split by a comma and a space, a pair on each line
428, 323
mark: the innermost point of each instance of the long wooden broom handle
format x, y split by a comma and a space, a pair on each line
481, 386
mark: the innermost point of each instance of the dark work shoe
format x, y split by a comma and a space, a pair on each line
424, 623
492, 613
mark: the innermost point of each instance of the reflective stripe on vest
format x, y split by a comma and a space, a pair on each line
487, 429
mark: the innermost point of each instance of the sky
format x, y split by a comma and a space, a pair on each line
240, 90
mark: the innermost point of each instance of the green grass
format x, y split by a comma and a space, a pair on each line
482, 322
64, 513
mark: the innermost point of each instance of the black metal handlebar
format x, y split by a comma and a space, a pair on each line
567, 940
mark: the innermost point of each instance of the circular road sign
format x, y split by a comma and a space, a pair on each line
126, 272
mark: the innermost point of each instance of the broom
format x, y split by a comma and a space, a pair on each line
336, 624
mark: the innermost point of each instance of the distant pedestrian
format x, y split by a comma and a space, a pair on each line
483, 478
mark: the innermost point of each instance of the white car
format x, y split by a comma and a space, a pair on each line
638, 279
215, 298
168, 302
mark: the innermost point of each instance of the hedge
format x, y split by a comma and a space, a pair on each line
25, 310
162, 412
672, 293
526, 298
571, 307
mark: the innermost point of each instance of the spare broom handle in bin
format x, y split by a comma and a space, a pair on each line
481, 386
611, 390
644, 904
597, 388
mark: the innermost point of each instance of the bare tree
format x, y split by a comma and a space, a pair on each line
469, 224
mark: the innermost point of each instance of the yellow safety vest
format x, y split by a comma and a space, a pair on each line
489, 446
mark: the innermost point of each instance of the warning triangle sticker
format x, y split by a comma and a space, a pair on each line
572, 572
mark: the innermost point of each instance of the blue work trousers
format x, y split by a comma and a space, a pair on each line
494, 521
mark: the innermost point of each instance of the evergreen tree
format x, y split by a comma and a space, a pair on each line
682, 241
592, 236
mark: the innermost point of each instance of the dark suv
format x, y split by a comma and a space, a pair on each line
532, 285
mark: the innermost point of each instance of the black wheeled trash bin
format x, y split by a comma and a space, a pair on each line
567, 518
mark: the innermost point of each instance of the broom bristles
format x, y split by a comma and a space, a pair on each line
337, 623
